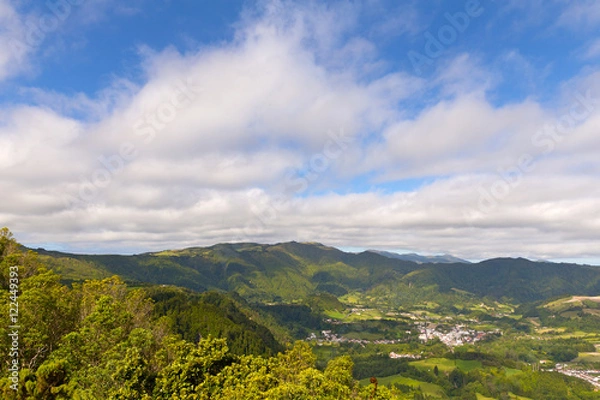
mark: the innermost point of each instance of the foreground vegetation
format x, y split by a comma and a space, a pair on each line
101, 339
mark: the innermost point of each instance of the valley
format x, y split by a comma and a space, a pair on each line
499, 329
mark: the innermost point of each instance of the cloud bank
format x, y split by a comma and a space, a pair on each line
298, 128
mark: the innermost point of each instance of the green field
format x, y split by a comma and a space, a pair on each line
446, 365
428, 389
512, 371
484, 327
512, 396
334, 314
515, 397
364, 315
428, 305
588, 357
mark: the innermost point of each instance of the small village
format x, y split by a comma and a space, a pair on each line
458, 335
591, 376
327, 336
405, 355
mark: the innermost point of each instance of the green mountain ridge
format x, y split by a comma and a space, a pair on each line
511, 278
420, 259
292, 271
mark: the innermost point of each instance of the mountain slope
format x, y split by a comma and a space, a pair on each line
293, 271
286, 271
419, 259
517, 279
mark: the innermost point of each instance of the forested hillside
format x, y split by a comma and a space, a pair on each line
101, 339
293, 271
518, 279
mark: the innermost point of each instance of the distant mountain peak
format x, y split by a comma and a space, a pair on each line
419, 259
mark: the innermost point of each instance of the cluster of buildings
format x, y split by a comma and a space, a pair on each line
328, 336
406, 355
591, 376
458, 335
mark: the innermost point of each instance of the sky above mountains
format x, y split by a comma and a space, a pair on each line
462, 127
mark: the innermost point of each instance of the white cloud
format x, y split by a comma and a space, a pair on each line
463, 74
417, 220
230, 142
580, 14
28, 133
458, 136
13, 48
593, 50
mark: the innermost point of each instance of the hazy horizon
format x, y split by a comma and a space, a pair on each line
345, 249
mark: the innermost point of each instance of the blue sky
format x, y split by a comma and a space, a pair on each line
463, 127
532, 48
